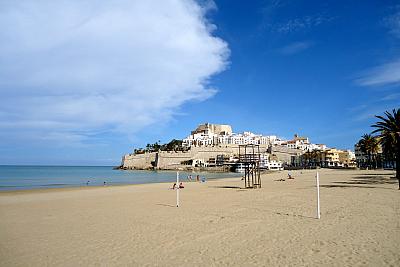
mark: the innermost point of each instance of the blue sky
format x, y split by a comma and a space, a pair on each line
84, 82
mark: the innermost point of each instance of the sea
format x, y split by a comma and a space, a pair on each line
39, 177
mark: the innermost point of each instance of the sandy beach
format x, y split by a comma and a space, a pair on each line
218, 223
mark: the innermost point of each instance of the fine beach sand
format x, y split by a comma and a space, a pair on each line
218, 223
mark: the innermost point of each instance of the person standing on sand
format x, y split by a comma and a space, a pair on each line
197, 178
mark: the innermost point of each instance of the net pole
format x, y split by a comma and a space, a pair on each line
318, 203
177, 189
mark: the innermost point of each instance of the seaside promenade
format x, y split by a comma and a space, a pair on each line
218, 223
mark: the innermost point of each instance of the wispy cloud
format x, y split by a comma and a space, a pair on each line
389, 72
296, 47
391, 97
372, 110
377, 106
393, 22
385, 74
273, 20
71, 68
301, 23
357, 108
270, 7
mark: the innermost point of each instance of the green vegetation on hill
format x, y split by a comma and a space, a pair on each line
173, 145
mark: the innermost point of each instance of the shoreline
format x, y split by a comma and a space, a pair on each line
184, 180
47, 178
84, 186
90, 187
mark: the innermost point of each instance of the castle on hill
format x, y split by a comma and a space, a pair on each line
221, 134
217, 146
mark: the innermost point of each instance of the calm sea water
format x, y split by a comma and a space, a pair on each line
30, 177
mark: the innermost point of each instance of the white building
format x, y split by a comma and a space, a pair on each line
268, 164
298, 143
303, 143
220, 134
216, 134
318, 147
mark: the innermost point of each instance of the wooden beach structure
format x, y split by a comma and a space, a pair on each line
249, 157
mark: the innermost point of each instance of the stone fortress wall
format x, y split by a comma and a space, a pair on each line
173, 160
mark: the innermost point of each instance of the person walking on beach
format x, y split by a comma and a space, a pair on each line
197, 178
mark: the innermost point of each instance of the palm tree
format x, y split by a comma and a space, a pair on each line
370, 146
315, 157
306, 158
388, 147
389, 132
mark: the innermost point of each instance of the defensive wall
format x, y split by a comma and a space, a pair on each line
174, 160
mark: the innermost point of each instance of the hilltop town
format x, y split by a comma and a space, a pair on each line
216, 147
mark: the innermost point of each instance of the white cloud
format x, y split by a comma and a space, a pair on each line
85, 66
